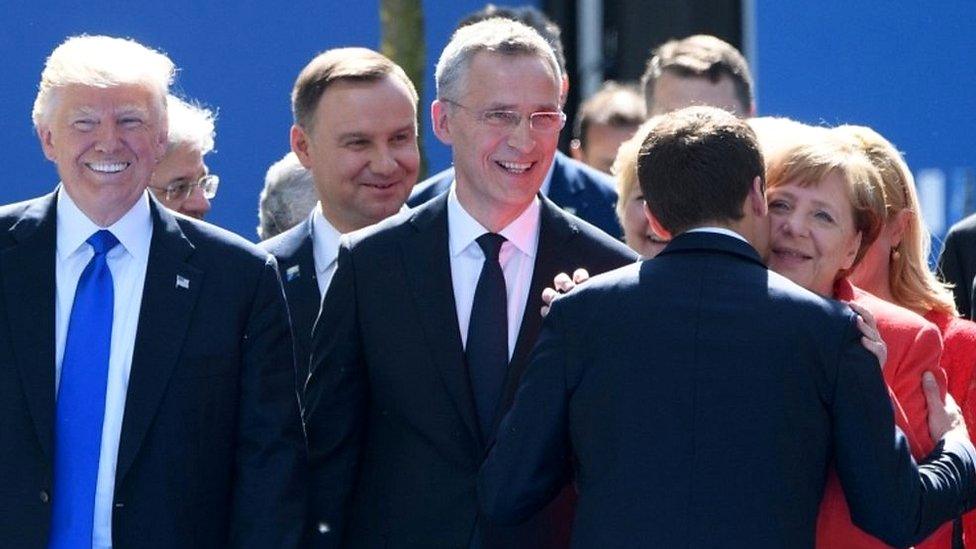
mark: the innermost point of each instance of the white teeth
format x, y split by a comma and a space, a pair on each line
517, 167
108, 167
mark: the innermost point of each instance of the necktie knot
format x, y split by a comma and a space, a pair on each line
491, 245
102, 241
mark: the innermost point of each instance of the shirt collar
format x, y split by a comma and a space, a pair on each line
719, 230
522, 232
325, 240
133, 230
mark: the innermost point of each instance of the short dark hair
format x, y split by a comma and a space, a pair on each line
701, 56
614, 104
331, 66
528, 16
696, 166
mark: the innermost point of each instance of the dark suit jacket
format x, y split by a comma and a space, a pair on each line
703, 398
211, 450
575, 187
957, 263
393, 439
296, 265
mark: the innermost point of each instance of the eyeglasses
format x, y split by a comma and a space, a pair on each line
181, 189
542, 121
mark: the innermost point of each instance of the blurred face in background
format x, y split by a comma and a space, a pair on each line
178, 182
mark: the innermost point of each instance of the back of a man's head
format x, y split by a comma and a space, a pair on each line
697, 166
699, 57
287, 198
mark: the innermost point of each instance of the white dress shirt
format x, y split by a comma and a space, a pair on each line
517, 257
325, 248
127, 261
719, 230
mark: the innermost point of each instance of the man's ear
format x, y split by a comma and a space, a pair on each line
757, 198
563, 90
656, 225
440, 121
299, 140
47, 142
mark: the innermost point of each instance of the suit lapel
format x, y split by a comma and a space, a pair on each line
301, 288
555, 231
171, 290
29, 294
428, 267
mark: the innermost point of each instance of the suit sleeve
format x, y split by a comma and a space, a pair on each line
529, 462
890, 496
924, 355
953, 271
335, 406
270, 469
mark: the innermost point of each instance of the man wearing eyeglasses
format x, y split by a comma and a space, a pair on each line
427, 325
181, 180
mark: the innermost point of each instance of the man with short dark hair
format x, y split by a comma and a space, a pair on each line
604, 121
698, 70
571, 185
355, 130
426, 328
701, 397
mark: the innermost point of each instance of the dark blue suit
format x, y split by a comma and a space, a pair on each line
394, 443
211, 451
296, 265
575, 187
703, 398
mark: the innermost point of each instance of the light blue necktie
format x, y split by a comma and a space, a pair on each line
80, 405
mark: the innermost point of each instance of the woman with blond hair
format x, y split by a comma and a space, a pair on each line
895, 268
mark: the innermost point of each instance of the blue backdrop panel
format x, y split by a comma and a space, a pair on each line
903, 68
238, 57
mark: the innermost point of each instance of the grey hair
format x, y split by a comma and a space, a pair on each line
495, 35
190, 124
287, 198
100, 62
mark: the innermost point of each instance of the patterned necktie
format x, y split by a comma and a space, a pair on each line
80, 405
487, 345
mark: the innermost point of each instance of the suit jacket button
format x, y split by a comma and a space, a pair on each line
45, 497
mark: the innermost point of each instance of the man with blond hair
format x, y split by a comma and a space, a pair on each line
427, 325
146, 366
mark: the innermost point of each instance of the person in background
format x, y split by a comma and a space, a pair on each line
288, 197
638, 233
573, 186
895, 268
181, 181
698, 70
355, 130
604, 121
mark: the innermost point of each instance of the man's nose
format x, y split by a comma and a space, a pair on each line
196, 205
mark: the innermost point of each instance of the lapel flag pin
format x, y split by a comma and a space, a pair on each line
182, 282
291, 273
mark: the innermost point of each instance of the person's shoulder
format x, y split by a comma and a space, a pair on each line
590, 179
802, 303
595, 239
388, 231
891, 317
288, 242
964, 227
217, 244
431, 187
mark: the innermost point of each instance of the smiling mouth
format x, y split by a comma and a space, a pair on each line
789, 254
107, 167
381, 186
515, 168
